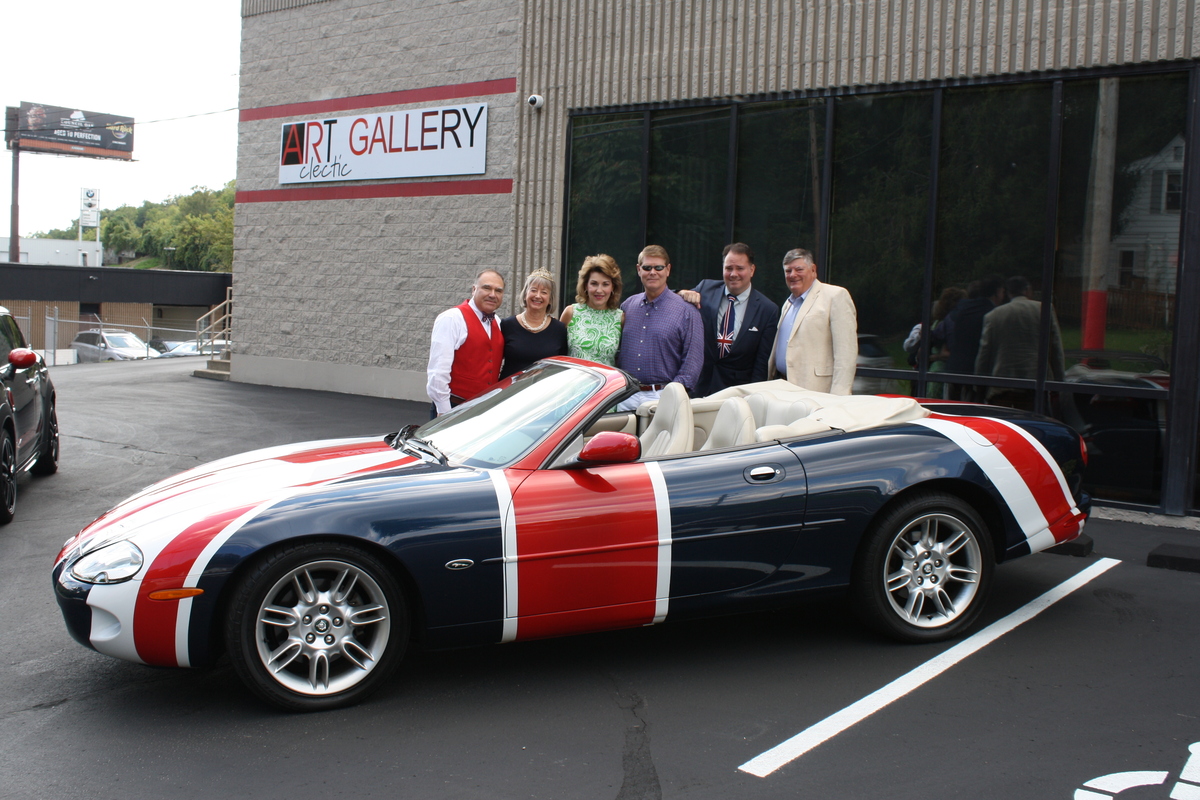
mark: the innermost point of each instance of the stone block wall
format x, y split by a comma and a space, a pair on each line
352, 285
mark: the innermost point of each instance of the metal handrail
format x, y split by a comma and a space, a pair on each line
215, 326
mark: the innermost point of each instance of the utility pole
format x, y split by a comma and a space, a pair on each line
14, 240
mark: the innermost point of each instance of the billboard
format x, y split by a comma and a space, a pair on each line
70, 131
422, 142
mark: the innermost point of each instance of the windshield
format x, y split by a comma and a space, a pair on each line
125, 340
499, 427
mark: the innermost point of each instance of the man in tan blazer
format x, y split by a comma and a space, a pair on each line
817, 344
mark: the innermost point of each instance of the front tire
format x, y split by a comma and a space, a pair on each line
924, 569
8, 479
317, 626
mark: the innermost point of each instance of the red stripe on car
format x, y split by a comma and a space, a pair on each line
335, 451
587, 550
154, 621
1040, 474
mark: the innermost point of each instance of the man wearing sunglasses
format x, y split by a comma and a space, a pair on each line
663, 338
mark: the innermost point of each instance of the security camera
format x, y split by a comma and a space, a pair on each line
536, 101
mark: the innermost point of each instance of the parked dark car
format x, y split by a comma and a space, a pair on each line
28, 420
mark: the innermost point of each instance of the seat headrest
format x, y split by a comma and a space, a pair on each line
734, 425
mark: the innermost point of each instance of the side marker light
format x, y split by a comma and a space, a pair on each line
175, 594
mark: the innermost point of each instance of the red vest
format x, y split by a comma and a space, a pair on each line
477, 362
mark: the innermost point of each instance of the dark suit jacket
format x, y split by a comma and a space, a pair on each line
751, 352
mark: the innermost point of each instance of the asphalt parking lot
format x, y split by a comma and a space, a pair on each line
1103, 682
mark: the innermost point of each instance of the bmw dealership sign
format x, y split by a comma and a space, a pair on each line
423, 142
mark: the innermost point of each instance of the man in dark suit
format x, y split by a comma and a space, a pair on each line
737, 346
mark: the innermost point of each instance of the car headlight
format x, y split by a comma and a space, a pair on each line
112, 563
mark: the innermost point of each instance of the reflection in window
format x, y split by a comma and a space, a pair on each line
689, 172
781, 149
991, 223
881, 170
1173, 191
1124, 437
1115, 270
606, 192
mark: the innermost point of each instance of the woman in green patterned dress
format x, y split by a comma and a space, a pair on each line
594, 322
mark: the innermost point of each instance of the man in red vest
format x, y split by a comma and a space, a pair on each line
466, 347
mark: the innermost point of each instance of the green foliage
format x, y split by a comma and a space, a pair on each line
121, 234
205, 242
881, 167
69, 232
198, 225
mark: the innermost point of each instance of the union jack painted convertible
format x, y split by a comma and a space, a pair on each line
534, 511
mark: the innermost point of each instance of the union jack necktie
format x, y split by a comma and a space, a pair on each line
725, 340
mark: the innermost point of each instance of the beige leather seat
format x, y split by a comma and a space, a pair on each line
768, 410
734, 425
670, 430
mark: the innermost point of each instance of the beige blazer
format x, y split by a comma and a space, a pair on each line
823, 343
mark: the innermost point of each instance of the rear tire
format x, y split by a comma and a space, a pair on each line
924, 569
317, 626
47, 461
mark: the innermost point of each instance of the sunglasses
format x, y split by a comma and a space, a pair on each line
654, 267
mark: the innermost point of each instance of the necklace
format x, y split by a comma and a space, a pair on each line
532, 329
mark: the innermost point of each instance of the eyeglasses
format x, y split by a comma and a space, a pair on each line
654, 267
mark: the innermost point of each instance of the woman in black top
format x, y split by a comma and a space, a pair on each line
533, 334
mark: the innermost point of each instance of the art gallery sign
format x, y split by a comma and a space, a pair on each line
415, 143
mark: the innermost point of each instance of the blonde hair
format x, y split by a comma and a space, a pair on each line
539, 276
606, 265
654, 251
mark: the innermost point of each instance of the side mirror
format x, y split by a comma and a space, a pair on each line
611, 447
22, 358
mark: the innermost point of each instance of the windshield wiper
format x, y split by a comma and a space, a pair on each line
421, 447
395, 440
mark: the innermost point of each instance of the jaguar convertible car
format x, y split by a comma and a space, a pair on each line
533, 511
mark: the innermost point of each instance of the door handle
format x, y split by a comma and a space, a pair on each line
763, 474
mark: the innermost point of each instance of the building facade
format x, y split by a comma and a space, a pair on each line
58, 252
916, 146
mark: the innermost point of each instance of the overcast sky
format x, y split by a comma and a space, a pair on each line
147, 59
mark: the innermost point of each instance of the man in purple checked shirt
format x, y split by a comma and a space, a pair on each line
663, 338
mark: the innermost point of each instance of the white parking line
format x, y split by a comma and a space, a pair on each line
786, 752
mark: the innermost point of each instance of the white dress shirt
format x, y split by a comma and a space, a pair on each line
449, 333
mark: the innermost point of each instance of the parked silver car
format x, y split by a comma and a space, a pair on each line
110, 344
211, 349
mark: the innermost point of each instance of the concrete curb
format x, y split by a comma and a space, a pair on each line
1145, 518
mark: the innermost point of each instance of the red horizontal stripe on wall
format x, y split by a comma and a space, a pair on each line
427, 95
423, 189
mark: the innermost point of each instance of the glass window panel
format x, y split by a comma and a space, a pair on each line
606, 193
991, 226
877, 246
1124, 438
689, 173
1115, 268
780, 156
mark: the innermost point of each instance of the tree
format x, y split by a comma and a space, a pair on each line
199, 226
205, 242
120, 234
